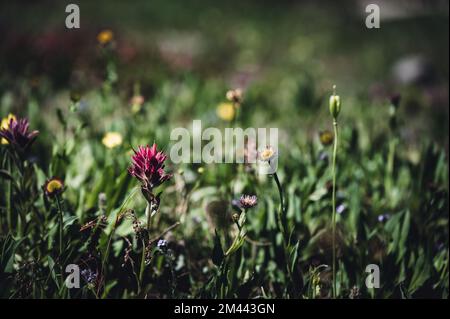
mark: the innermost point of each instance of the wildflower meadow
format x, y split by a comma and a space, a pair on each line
222, 150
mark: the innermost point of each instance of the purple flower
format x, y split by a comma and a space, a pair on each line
383, 217
89, 276
247, 201
162, 244
17, 133
323, 157
340, 209
148, 167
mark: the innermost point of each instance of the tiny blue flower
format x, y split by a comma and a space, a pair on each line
383, 217
162, 244
340, 209
89, 276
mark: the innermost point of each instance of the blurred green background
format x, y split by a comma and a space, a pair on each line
288, 52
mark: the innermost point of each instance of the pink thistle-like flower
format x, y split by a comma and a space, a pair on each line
17, 133
248, 201
148, 167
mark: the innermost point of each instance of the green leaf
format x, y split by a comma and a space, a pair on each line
108, 288
318, 194
293, 254
61, 118
68, 221
4, 174
51, 266
9, 247
422, 270
404, 235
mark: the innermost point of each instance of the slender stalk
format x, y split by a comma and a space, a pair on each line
149, 210
335, 125
282, 226
58, 203
9, 198
238, 236
94, 292
15, 160
281, 210
142, 267
113, 230
172, 274
236, 111
108, 246
390, 165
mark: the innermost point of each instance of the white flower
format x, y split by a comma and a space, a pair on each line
267, 154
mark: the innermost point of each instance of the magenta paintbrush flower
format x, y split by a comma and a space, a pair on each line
17, 133
148, 167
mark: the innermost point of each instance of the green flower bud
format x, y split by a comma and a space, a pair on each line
75, 96
335, 104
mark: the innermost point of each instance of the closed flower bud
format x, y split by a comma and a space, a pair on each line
335, 104
235, 96
395, 100
75, 96
102, 200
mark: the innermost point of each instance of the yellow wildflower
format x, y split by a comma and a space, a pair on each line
112, 139
105, 37
53, 186
5, 125
226, 111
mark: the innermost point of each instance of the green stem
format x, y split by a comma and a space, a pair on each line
282, 226
390, 165
142, 267
149, 210
9, 198
235, 118
15, 160
113, 230
335, 125
58, 203
238, 237
94, 292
